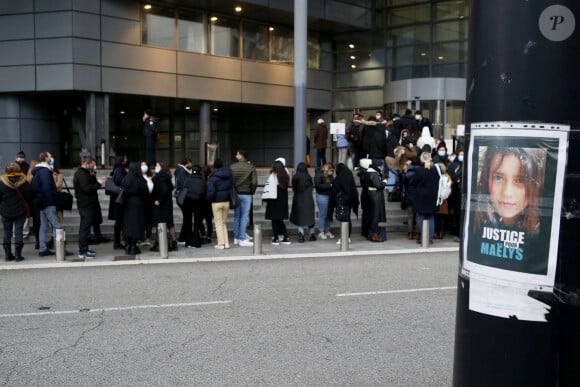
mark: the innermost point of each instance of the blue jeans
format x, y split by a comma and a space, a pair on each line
431, 219
47, 215
241, 215
322, 202
320, 157
18, 223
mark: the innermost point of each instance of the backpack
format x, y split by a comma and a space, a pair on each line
444, 189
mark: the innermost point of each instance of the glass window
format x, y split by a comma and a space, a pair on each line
407, 72
450, 52
158, 27
409, 55
224, 37
410, 15
360, 78
282, 46
393, 3
451, 10
191, 29
456, 30
454, 70
313, 52
255, 42
409, 35
358, 98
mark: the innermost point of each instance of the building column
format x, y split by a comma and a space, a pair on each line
300, 73
204, 130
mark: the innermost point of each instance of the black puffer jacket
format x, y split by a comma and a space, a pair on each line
86, 187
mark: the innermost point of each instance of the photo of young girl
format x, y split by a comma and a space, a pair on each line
510, 188
512, 209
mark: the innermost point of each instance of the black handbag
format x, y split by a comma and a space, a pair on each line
234, 198
111, 188
64, 200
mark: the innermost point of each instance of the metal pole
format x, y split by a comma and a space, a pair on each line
162, 238
59, 244
344, 245
300, 74
257, 239
425, 234
522, 66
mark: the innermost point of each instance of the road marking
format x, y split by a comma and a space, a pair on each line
395, 291
115, 309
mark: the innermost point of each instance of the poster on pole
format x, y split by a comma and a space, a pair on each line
514, 199
337, 128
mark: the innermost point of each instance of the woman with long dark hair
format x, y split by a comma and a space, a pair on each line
302, 214
118, 174
135, 197
277, 209
344, 197
163, 203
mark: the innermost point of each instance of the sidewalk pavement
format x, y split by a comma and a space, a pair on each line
397, 243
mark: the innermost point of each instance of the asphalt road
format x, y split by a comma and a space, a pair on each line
377, 320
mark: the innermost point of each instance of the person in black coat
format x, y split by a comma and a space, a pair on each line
118, 174
425, 183
162, 197
135, 196
375, 201
181, 174
302, 213
196, 200
15, 199
344, 194
277, 209
86, 191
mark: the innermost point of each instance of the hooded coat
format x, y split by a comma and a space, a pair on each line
12, 205
426, 139
162, 192
375, 197
302, 213
135, 196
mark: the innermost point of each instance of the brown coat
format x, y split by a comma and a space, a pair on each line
320, 136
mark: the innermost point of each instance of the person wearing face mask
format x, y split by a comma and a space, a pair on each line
86, 188
440, 155
163, 203
423, 121
323, 180
44, 190
147, 175
456, 172
118, 174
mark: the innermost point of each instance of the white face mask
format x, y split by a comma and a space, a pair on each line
460, 158
379, 117
157, 170
451, 158
441, 153
417, 117
144, 168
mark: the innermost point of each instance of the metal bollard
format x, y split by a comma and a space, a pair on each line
59, 244
425, 234
344, 236
162, 240
257, 239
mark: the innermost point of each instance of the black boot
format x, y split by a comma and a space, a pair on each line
300, 238
173, 245
18, 252
8, 252
134, 249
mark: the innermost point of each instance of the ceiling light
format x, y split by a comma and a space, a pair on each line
461, 17
423, 54
353, 66
440, 57
215, 109
271, 29
147, 6
352, 57
351, 45
122, 112
213, 18
187, 107
238, 9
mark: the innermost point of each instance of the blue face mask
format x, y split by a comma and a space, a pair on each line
330, 173
144, 168
442, 153
460, 158
51, 161
157, 170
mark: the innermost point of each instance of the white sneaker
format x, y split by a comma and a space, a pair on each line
219, 247
329, 235
236, 242
321, 235
249, 237
246, 243
146, 242
227, 246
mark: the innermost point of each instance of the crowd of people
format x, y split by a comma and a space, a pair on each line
393, 156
